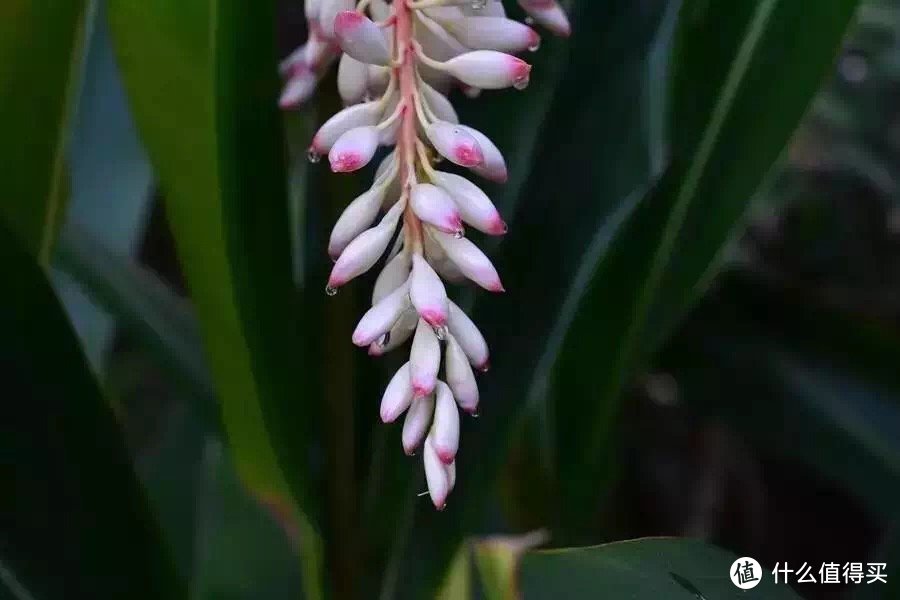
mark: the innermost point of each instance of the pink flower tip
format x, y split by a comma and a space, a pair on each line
335, 282
388, 418
435, 318
497, 226
469, 155
375, 350
420, 390
485, 366
446, 456
347, 21
519, 69
346, 162
496, 287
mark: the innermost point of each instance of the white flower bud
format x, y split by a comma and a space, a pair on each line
440, 106
424, 360
469, 337
492, 8
436, 41
378, 80
380, 10
352, 80
353, 150
359, 37
549, 14
442, 265
471, 261
298, 89
397, 336
397, 396
474, 205
356, 218
393, 275
493, 33
329, 12
363, 252
455, 144
360, 115
445, 429
379, 319
426, 290
494, 165
435, 207
437, 475
417, 423
489, 70
460, 377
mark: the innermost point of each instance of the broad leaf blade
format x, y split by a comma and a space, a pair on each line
40, 54
670, 246
203, 89
676, 569
77, 505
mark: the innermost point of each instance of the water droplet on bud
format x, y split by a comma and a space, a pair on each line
330, 291
535, 47
529, 20
313, 156
521, 83
479, 4
441, 333
459, 234
476, 414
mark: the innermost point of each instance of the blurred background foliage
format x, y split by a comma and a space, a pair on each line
693, 344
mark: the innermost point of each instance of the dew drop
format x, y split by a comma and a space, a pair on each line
331, 291
529, 20
478, 4
535, 47
313, 156
476, 414
521, 83
459, 234
441, 333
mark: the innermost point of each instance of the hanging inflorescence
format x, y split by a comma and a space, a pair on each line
397, 63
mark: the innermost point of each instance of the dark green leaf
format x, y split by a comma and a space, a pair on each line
40, 59
676, 569
729, 124
203, 89
77, 523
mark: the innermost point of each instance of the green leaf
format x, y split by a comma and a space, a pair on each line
40, 58
796, 378
676, 569
77, 505
143, 305
729, 124
202, 86
111, 180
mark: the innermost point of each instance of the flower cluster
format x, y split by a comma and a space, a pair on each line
397, 64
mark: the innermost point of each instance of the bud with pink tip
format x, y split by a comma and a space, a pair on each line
489, 70
469, 338
434, 206
329, 11
427, 292
445, 429
437, 475
363, 252
397, 396
352, 117
393, 275
494, 165
424, 360
416, 424
474, 205
493, 33
353, 150
549, 14
455, 144
460, 377
379, 319
359, 37
471, 261
352, 79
